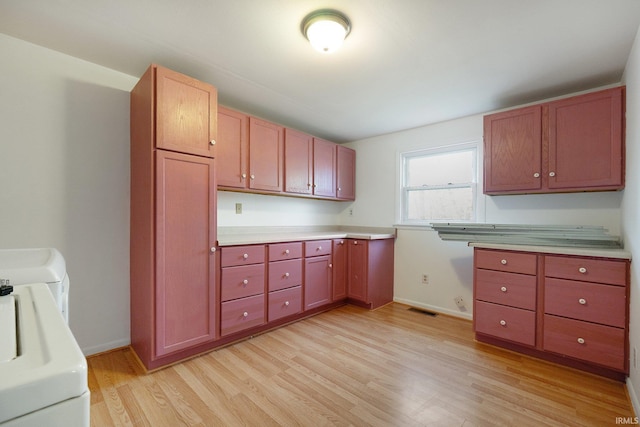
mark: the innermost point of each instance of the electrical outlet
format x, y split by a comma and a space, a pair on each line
238, 208
350, 212
425, 279
459, 301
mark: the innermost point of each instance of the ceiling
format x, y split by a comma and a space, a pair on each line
406, 63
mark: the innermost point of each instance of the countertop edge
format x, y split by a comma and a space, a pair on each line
560, 250
282, 237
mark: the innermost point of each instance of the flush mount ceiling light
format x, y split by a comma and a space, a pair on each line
326, 29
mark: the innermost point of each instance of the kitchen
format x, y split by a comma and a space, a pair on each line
65, 119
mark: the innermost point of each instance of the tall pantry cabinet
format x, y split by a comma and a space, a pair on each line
173, 216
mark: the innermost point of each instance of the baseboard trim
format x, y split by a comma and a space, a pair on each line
462, 315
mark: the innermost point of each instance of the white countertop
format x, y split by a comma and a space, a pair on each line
233, 236
564, 250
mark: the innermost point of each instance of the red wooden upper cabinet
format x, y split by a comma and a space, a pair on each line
186, 113
232, 148
345, 173
569, 145
324, 168
266, 154
298, 162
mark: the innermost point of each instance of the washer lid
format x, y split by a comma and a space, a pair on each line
50, 367
23, 266
8, 329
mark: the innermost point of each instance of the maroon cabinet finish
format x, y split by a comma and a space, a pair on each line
370, 272
317, 281
241, 314
232, 148
585, 141
345, 173
186, 113
566, 308
572, 144
339, 254
285, 274
173, 217
242, 255
317, 247
298, 162
513, 150
185, 269
266, 153
324, 168
285, 303
242, 281
284, 251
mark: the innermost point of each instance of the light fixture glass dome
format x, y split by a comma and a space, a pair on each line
326, 29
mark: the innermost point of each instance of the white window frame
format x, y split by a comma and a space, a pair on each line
403, 193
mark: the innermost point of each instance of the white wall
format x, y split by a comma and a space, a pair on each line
631, 209
64, 179
450, 264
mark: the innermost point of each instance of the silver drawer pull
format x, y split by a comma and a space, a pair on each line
245, 256
503, 322
503, 262
212, 142
213, 249
286, 274
319, 248
580, 340
503, 289
245, 314
536, 175
582, 301
286, 304
245, 282
286, 252
582, 270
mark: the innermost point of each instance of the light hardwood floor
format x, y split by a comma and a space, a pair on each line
388, 367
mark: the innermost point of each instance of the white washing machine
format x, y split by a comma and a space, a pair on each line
23, 266
43, 373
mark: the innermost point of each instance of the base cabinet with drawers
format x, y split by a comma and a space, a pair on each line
285, 280
565, 308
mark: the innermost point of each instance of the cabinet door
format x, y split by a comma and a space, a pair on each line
345, 173
232, 148
185, 265
317, 283
324, 168
357, 270
266, 141
585, 141
298, 157
513, 151
186, 114
339, 269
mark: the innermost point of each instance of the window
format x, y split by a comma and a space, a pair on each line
439, 185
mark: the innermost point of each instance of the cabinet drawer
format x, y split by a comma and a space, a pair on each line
513, 324
586, 269
243, 281
599, 344
513, 262
285, 303
241, 255
592, 302
283, 251
317, 248
516, 290
241, 314
285, 274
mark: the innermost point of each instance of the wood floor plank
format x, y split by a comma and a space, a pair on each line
354, 367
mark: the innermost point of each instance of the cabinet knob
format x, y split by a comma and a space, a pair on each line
286, 303
582, 301
315, 185
252, 176
286, 252
503, 322
245, 282
552, 174
244, 176
355, 243
245, 256
503, 289
330, 265
339, 189
319, 248
212, 142
213, 249
580, 340
245, 314
536, 175
503, 262
582, 270
286, 274
341, 242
